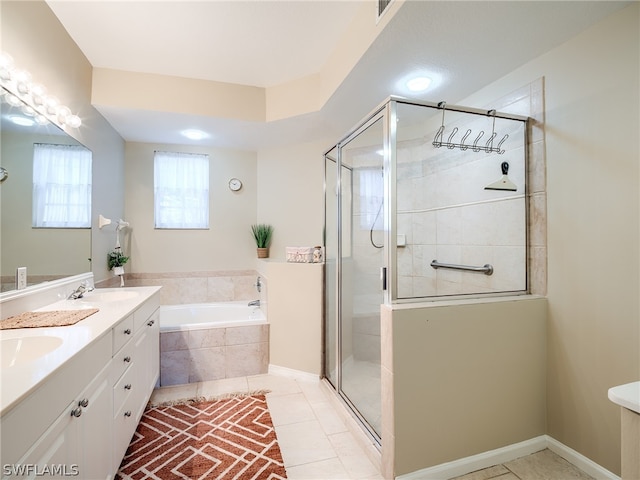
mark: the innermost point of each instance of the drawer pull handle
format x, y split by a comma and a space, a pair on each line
127, 331
151, 322
127, 359
84, 402
127, 413
76, 412
127, 386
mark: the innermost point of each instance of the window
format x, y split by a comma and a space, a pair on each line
181, 190
61, 186
371, 198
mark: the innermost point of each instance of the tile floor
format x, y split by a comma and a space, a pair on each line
543, 465
314, 438
317, 443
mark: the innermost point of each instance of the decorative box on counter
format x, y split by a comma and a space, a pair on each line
304, 254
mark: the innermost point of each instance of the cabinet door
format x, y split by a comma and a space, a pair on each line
153, 350
55, 453
96, 428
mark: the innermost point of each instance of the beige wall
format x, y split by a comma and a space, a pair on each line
290, 194
33, 36
226, 245
460, 379
592, 98
294, 309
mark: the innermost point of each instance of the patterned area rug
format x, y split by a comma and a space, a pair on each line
225, 439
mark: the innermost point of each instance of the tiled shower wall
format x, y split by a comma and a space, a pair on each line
195, 287
447, 215
457, 234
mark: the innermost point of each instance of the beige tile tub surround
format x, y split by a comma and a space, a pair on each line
190, 356
180, 288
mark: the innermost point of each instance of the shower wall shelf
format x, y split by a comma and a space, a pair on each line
450, 144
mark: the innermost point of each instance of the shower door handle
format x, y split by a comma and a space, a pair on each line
383, 277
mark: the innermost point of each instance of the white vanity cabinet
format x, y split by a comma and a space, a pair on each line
135, 371
39, 436
78, 421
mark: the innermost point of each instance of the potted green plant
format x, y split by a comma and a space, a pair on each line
262, 234
116, 260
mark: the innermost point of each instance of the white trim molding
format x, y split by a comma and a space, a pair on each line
473, 463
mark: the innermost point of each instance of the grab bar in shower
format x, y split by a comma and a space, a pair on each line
486, 269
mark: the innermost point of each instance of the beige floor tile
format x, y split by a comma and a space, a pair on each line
330, 420
545, 465
330, 469
291, 408
314, 391
224, 386
355, 461
497, 471
174, 392
277, 385
303, 442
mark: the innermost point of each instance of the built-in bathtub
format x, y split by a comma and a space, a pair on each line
211, 341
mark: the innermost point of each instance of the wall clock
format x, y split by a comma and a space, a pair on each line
235, 184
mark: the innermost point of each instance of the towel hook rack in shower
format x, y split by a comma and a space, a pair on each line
450, 144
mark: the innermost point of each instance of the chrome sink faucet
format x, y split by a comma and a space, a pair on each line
83, 288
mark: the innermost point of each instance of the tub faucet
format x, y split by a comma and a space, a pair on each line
254, 303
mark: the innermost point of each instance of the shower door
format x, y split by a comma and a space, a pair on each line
354, 234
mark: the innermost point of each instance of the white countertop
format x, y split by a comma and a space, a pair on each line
19, 381
627, 396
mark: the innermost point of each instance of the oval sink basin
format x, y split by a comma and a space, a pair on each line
109, 296
18, 351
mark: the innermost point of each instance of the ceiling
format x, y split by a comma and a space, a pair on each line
462, 45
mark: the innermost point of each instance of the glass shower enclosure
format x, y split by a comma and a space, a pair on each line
423, 202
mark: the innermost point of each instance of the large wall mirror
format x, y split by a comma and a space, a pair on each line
47, 250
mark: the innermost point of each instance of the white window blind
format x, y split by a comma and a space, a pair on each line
61, 186
181, 190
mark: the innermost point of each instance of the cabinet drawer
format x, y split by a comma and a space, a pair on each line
122, 333
142, 314
123, 388
121, 361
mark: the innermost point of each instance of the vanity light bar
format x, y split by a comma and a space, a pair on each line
20, 88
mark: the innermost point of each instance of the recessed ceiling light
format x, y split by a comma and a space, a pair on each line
418, 84
22, 121
193, 134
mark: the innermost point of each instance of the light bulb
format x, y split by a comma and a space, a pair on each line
63, 113
38, 93
13, 100
27, 110
418, 84
6, 66
23, 82
74, 121
52, 106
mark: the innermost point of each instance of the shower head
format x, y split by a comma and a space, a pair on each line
503, 183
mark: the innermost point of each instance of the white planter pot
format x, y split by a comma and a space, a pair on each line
118, 271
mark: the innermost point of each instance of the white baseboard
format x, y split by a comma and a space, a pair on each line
470, 464
583, 463
506, 454
291, 373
